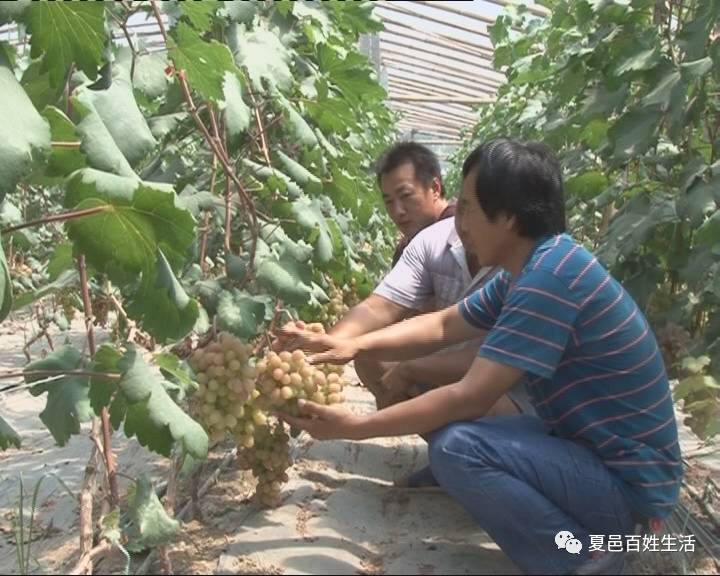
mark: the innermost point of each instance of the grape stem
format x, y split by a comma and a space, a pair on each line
65, 216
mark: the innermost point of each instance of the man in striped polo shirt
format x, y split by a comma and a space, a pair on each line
603, 453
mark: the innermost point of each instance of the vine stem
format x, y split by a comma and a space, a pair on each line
56, 218
15, 374
261, 128
206, 222
104, 416
216, 147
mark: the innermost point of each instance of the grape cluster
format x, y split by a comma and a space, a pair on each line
287, 377
336, 308
227, 381
268, 459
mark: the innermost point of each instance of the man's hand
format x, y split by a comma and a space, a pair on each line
324, 422
328, 349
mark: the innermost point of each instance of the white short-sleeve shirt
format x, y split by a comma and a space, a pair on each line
432, 267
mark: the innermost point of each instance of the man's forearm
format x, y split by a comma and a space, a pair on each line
443, 367
418, 336
373, 313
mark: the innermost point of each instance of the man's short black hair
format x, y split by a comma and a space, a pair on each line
521, 179
424, 161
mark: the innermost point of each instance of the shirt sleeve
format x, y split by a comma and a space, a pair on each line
409, 283
482, 308
535, 326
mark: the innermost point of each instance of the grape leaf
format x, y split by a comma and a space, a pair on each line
60, 260
264, 56
98, 144
68, 403
151, 525
10, 11
67, 33
66, 279
287, 278
641, 59
8, 436
119, 111
663, 92
241, 313
37, 85
5, 287
135, 221
239, 11
177, 374
697, 68
140, 399
303, 131
161, 305
24, 134
149, 76
309, 215
199, 13
237, 113
266, 173
204, 62
62, 161
632, 134
310, 183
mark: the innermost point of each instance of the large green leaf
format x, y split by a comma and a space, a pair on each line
68, 403
68, 33
600, 101
24, 135
62, 161
237, 113
286, 278
8, 436
179, 381
662, 94
266, 173
60, 260
98, 144
633, 132
586, 185
696, 69
161, 305
264, 57
303, 131
10, 11
5, 287
149, 76
641, 59
151, 525
119, 111
135, 221
309, 215
310, 183
350, 74
239, 11
204, 62
241, 313
65, 280
709, 232
141, 400
37, 85
199, 13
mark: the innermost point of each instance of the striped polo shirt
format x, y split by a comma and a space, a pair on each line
595, 373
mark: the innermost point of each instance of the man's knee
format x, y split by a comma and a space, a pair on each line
447, 449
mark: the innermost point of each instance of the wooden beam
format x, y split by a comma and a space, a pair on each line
447, 7
441, 99
456, 87
438, 142
463, 43
449, 58
429, 39
450, 115
428, 128
534, 8
424, 74
443, 121
400, 58
422, 87
392, 7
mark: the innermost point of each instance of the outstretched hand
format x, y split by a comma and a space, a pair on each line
324, 347
325, 422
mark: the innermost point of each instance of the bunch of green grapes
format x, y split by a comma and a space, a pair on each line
268, 459
336, 308
227, 381
287, 377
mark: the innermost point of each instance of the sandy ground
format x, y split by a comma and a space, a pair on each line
340, 513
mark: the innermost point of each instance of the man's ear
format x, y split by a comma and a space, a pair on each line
436, 187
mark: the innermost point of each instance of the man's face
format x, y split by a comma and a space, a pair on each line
411, 205
480, 236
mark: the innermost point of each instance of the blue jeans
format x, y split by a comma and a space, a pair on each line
523, 486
